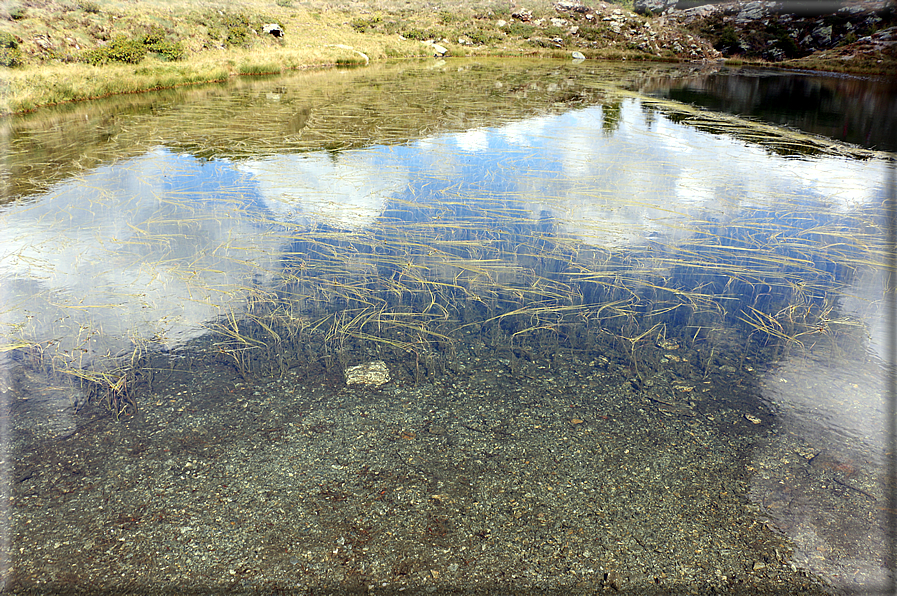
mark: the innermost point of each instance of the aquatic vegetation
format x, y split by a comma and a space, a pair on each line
387, 319
469, 228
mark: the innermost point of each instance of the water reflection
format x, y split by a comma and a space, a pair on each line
348, 190
626, 226
843, 107
128, 256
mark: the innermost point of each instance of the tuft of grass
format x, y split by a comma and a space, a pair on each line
259, 68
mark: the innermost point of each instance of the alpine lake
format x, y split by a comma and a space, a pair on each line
452, 327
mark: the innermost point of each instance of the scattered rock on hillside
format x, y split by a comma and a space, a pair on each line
872, 52
629, 31
776, 31
273, 29
438, 50
653, 7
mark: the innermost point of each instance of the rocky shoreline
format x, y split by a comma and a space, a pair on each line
850, 36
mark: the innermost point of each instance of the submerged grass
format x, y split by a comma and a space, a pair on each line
414, 300
432, 272
424, 296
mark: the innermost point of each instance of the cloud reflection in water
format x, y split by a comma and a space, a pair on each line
348, 190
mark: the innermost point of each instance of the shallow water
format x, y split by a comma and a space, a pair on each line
606, 339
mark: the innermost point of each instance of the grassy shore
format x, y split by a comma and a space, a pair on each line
57, 51
70, 50
55, 58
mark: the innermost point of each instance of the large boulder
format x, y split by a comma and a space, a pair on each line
754, 11
654, 6
273, 29
438, 50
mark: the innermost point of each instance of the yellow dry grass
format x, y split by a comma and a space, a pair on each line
55, 35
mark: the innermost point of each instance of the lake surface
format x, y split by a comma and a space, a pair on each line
857, 110
445, 325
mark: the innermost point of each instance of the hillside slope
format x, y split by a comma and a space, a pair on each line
54, 51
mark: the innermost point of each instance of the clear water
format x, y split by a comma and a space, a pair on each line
452, 220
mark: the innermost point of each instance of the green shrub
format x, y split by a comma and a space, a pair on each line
479, 37
360, 25
501, 10
284, 3
448, 17
238, 35
592, 33
169, 51
155, 42
120, 49
392, 27
8, 40
417, 34
155, 35
848, 39
519, 29
787, 44
90, 6
16, 13
238, 30
728, 41
10, 57
364, 25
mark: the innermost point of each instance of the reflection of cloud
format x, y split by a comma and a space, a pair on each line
473, 140
643, 179
669, 138
836, 384
348, 191
693, 186
827, 457
830, 403
524, 133
844, 183
150, 248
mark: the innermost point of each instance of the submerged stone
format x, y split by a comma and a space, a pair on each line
372, 374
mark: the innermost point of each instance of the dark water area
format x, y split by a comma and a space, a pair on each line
857, 110
442, 326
